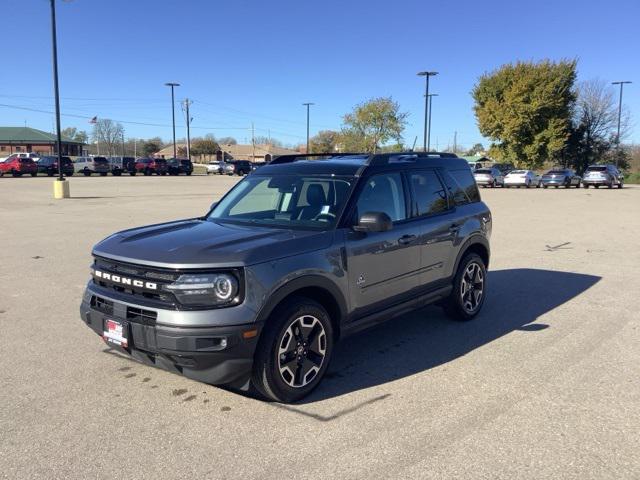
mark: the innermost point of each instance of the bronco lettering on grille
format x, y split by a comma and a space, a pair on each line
125, 280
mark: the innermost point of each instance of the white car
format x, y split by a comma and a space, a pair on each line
522, 178
32, 155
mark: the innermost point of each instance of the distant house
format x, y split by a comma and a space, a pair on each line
25, 139
478, 161
257, 153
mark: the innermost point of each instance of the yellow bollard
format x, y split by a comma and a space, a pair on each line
60, 189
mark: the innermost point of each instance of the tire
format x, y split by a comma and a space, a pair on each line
103, 174
578, 185
465, 306
15, 174
147, 172
596, 186
49, 174
70, 174
87, 173
133, 174
620, 184
284, 369
34, 174
584, 185
545, 186
189, 174
610, 185
527, 185
163, 173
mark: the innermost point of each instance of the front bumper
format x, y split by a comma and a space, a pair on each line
213, 354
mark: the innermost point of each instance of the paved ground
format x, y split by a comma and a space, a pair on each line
544, 384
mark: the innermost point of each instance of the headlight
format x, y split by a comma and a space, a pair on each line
205, 289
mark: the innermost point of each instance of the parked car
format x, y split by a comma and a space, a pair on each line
605, 175
148, 166
32, 155
489, 177
90, 165
561, 177
221, 168
49, 165
120, 165
243, 167
18, 166
176, 166
294, 258
522, 178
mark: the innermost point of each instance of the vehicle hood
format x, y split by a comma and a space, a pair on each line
197, 243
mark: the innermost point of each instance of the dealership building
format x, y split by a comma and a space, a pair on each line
25, 139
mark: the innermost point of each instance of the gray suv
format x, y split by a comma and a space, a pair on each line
298, 255
605, 175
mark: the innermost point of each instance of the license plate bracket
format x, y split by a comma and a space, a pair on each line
116, 332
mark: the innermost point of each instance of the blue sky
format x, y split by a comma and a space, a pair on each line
258, 61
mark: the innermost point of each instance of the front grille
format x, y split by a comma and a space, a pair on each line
139, 278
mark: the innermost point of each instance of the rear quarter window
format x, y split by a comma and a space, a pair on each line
462, 186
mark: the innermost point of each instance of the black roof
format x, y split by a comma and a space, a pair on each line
356, 163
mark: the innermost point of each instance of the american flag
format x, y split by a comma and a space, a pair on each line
94, 120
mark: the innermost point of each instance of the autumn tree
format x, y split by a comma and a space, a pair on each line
525, 109
372, 124
324, 141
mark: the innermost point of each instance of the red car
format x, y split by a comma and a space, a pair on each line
148, 166
18, 166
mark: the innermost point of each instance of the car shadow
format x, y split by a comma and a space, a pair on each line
427, 338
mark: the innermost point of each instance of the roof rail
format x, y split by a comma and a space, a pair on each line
402, 157
304, 156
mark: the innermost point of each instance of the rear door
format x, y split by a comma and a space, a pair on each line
435, 221
383, 267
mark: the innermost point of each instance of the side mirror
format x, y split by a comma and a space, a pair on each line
213, 205
374, 222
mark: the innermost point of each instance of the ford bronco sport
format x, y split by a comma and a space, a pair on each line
298, 255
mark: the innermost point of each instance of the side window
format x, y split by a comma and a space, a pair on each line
429, 195
383, 193
463, 187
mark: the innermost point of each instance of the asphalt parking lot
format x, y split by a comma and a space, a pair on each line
543, 384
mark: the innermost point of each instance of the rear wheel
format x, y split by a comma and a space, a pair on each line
294, 351
620, 183
103, 174
15, 174
133, 174
49, 174
147, 172
87, 173
34, 174
469, 289
585, 185
597, 186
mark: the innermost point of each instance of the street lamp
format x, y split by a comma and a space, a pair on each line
431, 95
308, 104
426, 105
173, 114
619, 114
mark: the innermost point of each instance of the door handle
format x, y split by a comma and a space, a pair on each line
407, 239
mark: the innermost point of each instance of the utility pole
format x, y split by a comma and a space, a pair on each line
455, 142
186, 104
308, 104
173, 114
426, 75
253, 143
431, 95
56, 90
135, 147
619, 116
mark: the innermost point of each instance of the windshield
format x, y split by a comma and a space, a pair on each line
483, 170
518, 172
557, 172
290, 201
100, 160
597, 169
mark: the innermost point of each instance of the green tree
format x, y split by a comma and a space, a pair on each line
324, 141
75, 134
151, 146
204, 146
372, 124
477, 149
525, 109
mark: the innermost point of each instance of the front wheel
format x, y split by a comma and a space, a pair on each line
35, 174
294, 351
133, 174
87, 173
103, 174
620, 183
469, 289
585, 186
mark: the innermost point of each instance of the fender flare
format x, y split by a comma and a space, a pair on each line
475, 239
306, 281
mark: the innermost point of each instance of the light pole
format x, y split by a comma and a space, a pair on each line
619, 115
308, 104
56, 93
426, 75
431, 95
173, 114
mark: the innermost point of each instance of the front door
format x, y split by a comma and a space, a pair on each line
383, 267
